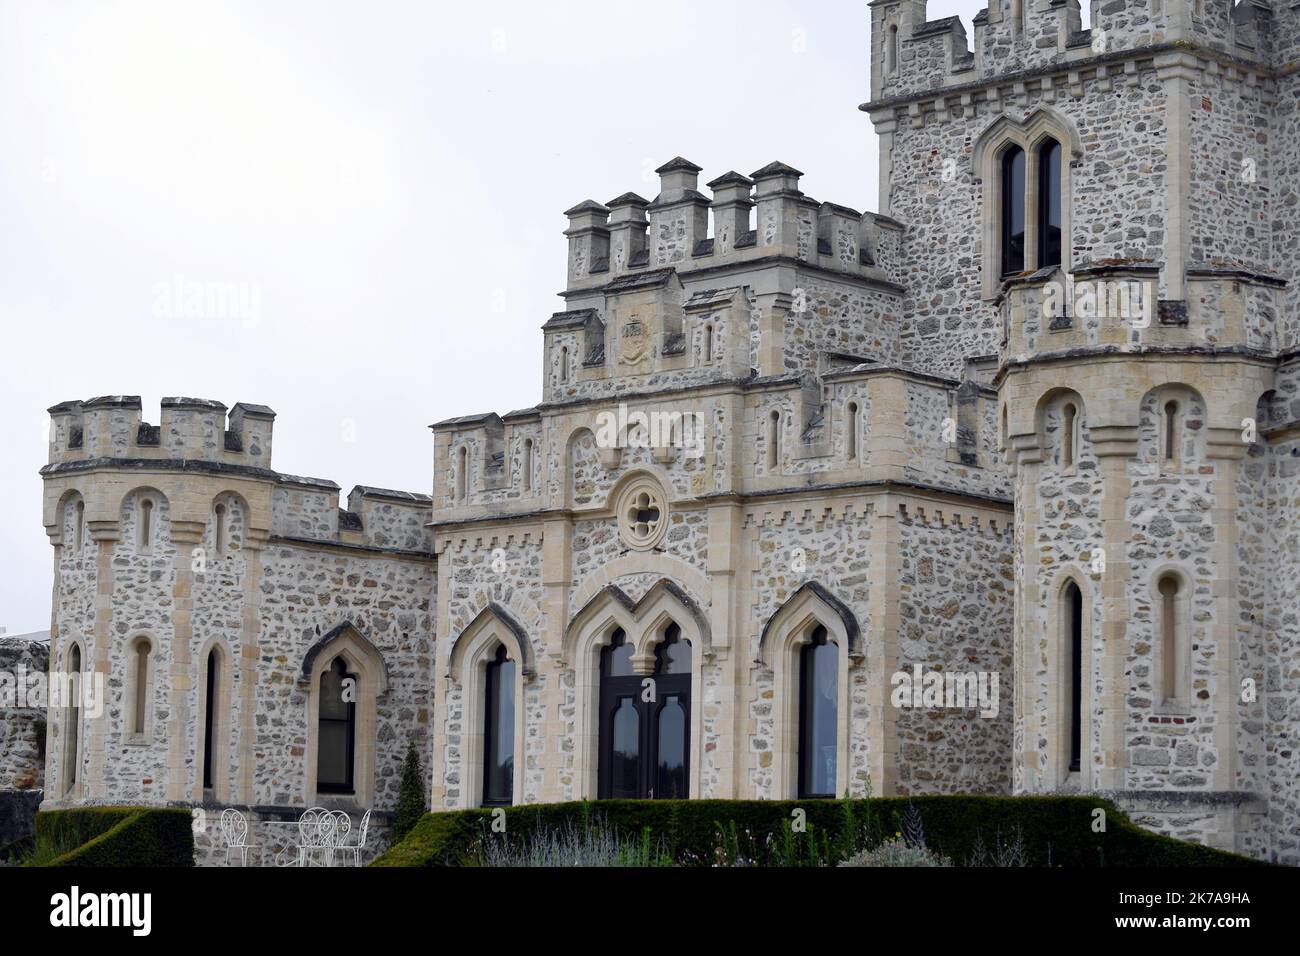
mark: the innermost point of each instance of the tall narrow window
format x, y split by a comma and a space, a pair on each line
140, 697
1013, 211
146, 523
337, 730
80, 526
1049, 204
528, 464
708, 343
219, 532
1074, 652
891, 49
774, 440
564, 363
818, 708
851, 439
1169, 644
72, 718
462, 473
210, 717
1171, 432
499, 732
1069, 422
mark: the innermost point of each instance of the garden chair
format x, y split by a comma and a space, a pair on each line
234, 830
360, 844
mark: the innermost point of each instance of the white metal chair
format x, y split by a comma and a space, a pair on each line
360, 844
315, 829
234, 830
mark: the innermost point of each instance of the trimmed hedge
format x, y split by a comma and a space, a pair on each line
118, 836
1056, 831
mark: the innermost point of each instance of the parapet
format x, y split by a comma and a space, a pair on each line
912, 56
190, 429
753, 217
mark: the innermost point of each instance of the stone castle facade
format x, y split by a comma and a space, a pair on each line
1038, 418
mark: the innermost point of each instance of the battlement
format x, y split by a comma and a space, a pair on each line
910, 55
753, 217
190, 429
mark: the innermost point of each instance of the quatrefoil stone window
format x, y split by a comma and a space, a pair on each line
642, 515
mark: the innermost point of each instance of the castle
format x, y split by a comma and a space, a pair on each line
1033, 428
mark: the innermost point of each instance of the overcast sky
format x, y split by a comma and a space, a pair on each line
384, 180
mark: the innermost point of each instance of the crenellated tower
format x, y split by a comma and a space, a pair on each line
1099, 208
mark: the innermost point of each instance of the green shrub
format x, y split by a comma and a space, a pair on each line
1051, 831
410, 796
113, 837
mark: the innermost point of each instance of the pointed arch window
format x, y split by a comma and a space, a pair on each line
337, 726
1013, 211
818, 715
72, 720
499, 731
1073, 642
212, 682
1050, 222
645, 721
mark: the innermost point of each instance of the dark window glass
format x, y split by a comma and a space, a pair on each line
499, 733
671, 782
818, 704
1013, 211
1074, 622
617, 658
337, 736
1049, 204
625, 751
210, 711
645, 737
674, 654
73, 727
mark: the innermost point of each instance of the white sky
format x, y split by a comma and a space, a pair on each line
388, 177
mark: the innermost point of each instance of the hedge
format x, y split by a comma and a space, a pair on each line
1056, 831
117, 836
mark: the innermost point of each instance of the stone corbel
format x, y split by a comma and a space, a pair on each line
609, 457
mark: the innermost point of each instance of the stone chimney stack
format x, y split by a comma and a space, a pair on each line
679, 216
732, 203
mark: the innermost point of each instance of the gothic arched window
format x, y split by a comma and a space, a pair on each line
1172, 635
1013, 211
1050, 223
211, 684
499, 731
1073, 643
645, 721
337, 724
818, 705
139, 683
72, 720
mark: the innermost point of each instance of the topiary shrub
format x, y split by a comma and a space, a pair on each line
1048, 831
114, 837
410, 796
